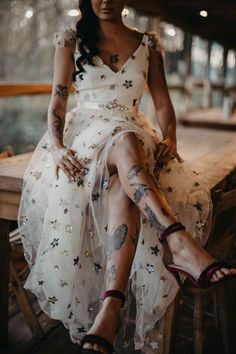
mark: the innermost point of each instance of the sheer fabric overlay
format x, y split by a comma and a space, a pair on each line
63, 224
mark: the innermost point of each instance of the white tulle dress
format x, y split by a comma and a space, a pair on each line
64, 224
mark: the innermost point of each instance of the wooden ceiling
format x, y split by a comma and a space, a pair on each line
219, 25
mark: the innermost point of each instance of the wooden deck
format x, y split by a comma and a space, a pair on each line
213, 152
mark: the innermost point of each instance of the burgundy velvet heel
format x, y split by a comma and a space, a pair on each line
95, 339
205, 277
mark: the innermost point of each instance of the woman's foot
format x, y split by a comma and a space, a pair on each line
190, 256
106, 323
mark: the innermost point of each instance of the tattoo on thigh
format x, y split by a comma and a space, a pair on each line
141, 191
135, 169
111, 274
61, 91
117, 239
153, 219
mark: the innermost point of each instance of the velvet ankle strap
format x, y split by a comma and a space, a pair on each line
115, 293
177, 226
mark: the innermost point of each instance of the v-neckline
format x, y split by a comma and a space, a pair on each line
127, 61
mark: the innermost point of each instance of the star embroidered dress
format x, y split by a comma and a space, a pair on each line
63, 224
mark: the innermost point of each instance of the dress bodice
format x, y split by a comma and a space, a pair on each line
100, 84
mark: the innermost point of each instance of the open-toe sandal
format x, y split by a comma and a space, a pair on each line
99, 340
205, 278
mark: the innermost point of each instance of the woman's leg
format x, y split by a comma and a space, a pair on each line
123, 229
129, 159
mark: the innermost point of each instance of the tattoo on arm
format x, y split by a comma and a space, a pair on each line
141, 191
135, 169
61, 91
114, 58
164, 212
111, 274
58, 122
117, 239
153, 219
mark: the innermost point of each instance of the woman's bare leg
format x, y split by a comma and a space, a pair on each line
123, 229
129, 159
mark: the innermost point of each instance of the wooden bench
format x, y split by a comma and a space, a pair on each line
212, 152
208, 118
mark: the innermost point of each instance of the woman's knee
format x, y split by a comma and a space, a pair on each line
126, 141
127, 144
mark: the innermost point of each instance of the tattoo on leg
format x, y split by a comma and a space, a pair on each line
117, 238
61, 91
153, 219
141, 191
111, 274
164, 212
58, 123
135, 169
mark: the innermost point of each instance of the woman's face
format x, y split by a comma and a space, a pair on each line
108, 10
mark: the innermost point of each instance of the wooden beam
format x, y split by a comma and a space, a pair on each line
188, 19
7, 90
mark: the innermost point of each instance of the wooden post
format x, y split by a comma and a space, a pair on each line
198, 325
4, 276
187, 52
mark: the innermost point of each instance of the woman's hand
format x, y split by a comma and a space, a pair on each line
166, 150
64, 158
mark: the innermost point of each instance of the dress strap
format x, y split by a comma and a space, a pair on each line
66, 37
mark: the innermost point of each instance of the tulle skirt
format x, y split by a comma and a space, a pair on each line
63, 226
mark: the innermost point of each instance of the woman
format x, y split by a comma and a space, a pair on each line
104, 191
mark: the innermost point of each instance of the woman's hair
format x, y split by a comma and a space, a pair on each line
87, 31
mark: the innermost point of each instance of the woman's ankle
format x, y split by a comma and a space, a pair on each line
112, 303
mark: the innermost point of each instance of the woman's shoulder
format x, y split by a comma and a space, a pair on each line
154, 40
65, 38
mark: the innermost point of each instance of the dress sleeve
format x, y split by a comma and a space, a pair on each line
154, 41
65, 38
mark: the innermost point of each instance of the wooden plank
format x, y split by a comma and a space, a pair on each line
213, 153
12, 170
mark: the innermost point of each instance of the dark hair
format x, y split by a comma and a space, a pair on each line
87, 32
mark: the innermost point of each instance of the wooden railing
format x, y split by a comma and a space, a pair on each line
8, 90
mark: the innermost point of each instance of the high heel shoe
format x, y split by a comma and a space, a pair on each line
204, 280
96, 339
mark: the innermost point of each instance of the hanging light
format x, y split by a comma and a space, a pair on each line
171, 32
231, 59
29, 13
125, 12
172, 38
73, 12
203, 13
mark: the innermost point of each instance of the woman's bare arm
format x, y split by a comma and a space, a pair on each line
62, 79
159, 92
